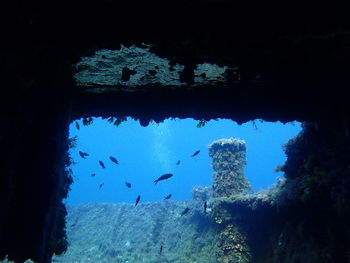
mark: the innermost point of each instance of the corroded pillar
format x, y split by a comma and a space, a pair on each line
229, 158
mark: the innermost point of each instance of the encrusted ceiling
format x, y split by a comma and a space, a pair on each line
195, 58
136, 68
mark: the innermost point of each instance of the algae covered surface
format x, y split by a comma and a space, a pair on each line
197, 231
229, 159
149, 232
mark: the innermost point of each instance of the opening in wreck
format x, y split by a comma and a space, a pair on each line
283, 62
114, 162
227, 226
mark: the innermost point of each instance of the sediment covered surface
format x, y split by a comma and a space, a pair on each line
124, 233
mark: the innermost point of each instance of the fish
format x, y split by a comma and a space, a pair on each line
161, 249
83, 155
93, 174
113, 159
77, 125
137, 200
167, 197
101, 186
163, 177
178, 162
102, 164
128, 185
205, 207
185, 211
195, 153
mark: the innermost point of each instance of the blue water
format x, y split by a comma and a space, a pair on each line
145, 153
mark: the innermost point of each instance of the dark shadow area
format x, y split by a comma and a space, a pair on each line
293, 65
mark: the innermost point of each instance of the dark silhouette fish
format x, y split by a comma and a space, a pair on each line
77, 125
101, 186
167, 197
195, 153
163, 177
93, 174
161, 249
83, 155
185, 211
205, 207
128, 185
137, 200
113, 159
102, 164
178, 162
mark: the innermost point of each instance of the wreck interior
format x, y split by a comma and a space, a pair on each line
200, 59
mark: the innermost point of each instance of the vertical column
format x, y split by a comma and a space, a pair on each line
229, 158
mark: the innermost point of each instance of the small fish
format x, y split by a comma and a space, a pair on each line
101, 186
102, 164
77, 125
161, 249
137, 200
113, 159
93, 174
167, 197
205, 207
83, 155
195, 153
128, 185
178, 162
185, 211
163, 177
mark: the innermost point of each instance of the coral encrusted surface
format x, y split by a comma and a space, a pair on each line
149, 232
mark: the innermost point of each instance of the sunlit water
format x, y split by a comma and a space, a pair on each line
145, 153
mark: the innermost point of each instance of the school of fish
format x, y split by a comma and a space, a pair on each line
163, 177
